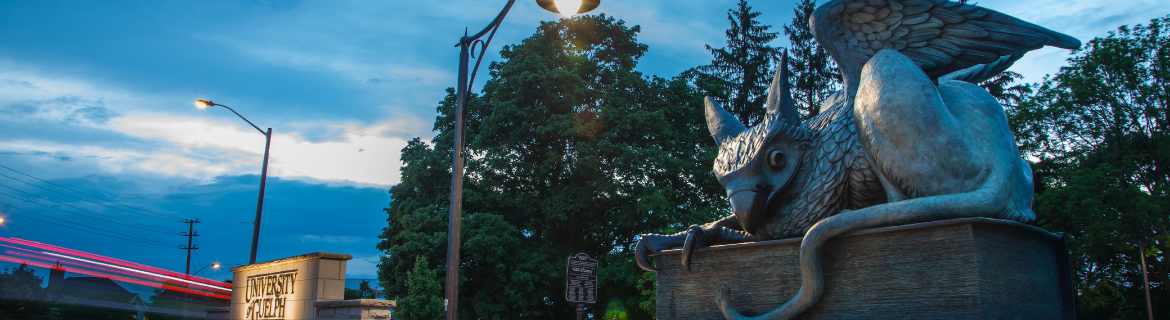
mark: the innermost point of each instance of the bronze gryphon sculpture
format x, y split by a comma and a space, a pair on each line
910, 139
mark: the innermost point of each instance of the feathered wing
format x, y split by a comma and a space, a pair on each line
940, 36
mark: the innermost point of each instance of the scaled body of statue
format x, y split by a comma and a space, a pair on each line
910, 139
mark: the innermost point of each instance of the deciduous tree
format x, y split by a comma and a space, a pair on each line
569, 150
1099, 135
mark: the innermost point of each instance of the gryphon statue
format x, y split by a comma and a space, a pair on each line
910, 139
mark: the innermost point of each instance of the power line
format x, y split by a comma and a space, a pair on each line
200, 252
115, 234
71, 222
58, 192
160, 229
78, 191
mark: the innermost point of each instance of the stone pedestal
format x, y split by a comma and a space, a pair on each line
972, 268
363, 309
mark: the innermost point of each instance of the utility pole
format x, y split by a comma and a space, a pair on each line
1145, 279
190, 234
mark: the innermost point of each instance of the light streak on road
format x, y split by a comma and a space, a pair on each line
138, 271
49, 256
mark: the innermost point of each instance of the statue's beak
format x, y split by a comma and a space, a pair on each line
749, 206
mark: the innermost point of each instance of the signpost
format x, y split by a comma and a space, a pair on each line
581, 282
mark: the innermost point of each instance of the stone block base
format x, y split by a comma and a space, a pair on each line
364, 309
972, 268
217, 313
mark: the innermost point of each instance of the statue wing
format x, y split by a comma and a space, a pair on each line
939, 36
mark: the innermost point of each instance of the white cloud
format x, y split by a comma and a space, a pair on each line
290, 155
194, 146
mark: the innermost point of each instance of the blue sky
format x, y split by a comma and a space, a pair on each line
97, 95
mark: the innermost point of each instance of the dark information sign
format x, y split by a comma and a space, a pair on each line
581, 279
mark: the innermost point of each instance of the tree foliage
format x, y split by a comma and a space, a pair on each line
1099, 136
739, 74
814, 74
21, 295
363, 291
568, 150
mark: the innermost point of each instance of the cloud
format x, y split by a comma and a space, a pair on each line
63, 109
65, 122
291, 156
329, 239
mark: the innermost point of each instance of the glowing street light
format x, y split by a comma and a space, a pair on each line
568, 8
204, 104
466, 43
213, 266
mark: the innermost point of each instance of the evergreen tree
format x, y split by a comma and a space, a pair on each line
1100, 135
424, 297
569, 151
814, 74
740, 73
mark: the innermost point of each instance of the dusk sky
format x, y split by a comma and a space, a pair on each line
98, 96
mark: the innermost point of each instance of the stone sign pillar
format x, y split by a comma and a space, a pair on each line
287, 288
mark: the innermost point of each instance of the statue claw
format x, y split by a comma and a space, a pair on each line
640, 256
694, 237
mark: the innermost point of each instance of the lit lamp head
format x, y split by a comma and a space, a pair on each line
565, 7
216, 266
203, 104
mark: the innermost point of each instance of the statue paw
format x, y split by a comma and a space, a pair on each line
649, 244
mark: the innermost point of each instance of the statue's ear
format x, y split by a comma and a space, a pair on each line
780, 96
721, 123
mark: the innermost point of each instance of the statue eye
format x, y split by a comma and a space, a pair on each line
776, 159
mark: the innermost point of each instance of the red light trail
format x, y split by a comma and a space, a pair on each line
49, 256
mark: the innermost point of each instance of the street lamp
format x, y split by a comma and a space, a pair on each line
555, 5
204, 104
213, 266
466, 44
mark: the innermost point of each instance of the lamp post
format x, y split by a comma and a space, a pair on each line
466, 50
203, 104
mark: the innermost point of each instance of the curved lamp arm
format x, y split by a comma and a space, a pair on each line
211, 104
